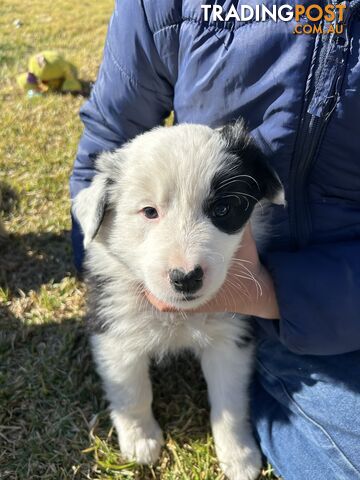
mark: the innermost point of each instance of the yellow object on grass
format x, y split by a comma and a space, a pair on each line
49, 71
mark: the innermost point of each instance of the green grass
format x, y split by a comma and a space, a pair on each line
53, 418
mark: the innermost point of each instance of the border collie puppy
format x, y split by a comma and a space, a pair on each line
166, 213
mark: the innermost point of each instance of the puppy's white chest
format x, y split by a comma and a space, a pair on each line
180, 330
176, 331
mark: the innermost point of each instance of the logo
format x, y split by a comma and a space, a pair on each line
310, 19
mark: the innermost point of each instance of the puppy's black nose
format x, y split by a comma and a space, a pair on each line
189, 282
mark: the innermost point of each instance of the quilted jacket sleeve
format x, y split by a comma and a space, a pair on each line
132, 94
318, 290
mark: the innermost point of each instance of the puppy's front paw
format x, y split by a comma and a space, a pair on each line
144, 450
239, 461
241, 465
140, 442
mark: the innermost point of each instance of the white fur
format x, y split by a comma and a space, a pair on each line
169, 169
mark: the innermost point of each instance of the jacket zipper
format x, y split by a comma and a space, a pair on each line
322, 93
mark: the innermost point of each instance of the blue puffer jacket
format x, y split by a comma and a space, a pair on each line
300, 95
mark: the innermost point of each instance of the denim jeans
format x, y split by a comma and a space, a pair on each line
306, 413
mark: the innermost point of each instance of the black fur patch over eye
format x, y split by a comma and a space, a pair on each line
242, 182
232, 200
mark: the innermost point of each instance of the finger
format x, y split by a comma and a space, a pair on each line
247, 248
247, 237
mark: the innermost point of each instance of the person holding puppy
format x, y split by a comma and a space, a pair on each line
299, 95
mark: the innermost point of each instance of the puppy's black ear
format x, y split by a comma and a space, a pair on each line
250, 160
90, 205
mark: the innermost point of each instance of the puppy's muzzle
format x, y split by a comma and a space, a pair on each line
189, 282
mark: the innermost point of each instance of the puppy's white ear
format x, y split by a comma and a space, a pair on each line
89, 207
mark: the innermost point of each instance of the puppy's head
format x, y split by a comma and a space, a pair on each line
175, 202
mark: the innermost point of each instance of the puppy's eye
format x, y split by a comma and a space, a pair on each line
150, 212
221, 209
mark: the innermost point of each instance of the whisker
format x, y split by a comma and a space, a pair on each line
257, 202
237, 198
239, 286
234, 177
241, 260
